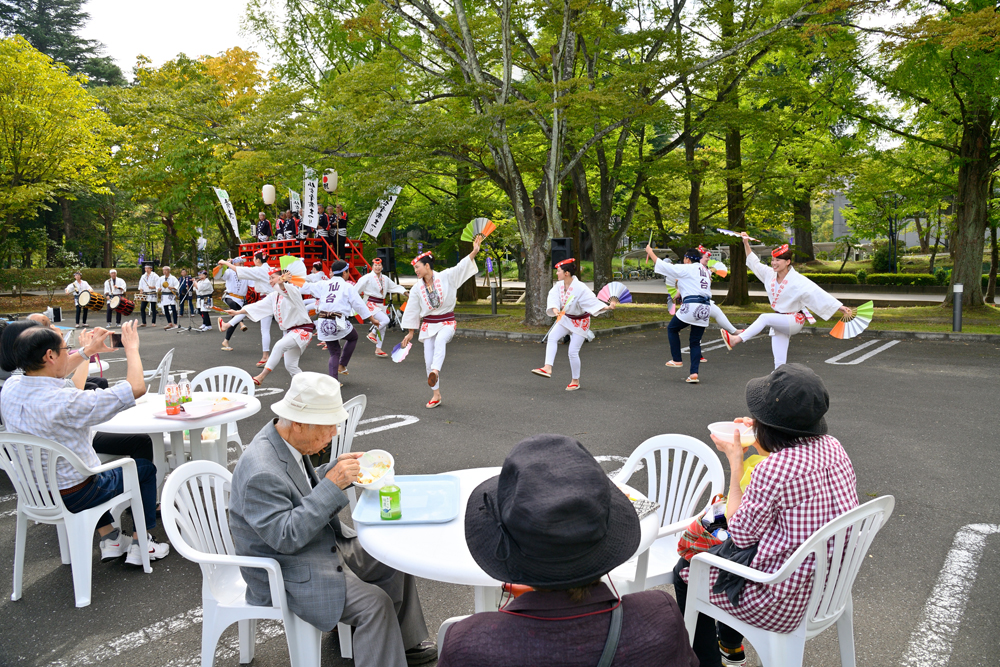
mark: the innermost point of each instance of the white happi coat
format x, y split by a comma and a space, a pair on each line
258, 275
117, 287
336, 295
148, 285
795, 295
577, 300
443, 291
75, 288
168, 298
376, 288
234, 286
692, 280
203, 292
288, 310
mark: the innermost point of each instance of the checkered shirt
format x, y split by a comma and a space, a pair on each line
53, 408
792, 494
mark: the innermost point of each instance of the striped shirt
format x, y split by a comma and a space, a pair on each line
792, 494
53, 408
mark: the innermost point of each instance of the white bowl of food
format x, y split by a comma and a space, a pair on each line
725, 430
377, 466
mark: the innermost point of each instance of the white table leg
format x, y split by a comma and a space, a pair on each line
197, 448
159, 460
487, 598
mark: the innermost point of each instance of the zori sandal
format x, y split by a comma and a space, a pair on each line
541, 371
673, 364
433, 404
572, 386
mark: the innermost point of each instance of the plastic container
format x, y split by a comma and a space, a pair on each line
368, 461
173, 396
390, 507
185, 388
726, 430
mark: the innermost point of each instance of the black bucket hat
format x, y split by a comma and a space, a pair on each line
792, 399
551, 519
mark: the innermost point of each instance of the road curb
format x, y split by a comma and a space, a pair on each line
814, 331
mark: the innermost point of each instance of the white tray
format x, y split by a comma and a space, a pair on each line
423, 499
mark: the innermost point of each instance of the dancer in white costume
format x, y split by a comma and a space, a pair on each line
792, 296
572, 303
431, 307
336, 299
714, 312
259, 275
285, 305
375, 287
234, 296
203, 289
694, 282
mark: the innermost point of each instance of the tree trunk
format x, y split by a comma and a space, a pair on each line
937, 242
802, 224
109, 237
53, 229
463, 188
67, 219
570, 213
694, 173
739, 285
991, 285
168, 240
971, 209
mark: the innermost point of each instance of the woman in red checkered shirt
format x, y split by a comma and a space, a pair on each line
806, 481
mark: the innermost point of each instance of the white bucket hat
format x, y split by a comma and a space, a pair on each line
312, 398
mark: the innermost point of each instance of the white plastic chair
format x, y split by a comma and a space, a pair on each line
688, 474
194, 510
38, 499
851, 535
444, 629
162, 372
345, 435
225, 379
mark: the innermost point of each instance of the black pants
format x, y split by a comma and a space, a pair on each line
341, 245
674, 336
152, 308
706, 635
134, 446
190, 303
205, 319
233, 304
80, 309
95, 382
118, 316
170, 312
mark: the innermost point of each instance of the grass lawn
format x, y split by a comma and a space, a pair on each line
923, 318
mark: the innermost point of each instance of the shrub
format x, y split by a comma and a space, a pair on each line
862, 276
832, 278
881, 260
942, 275
901, 279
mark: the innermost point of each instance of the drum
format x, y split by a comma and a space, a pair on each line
253, 296
92, 300
124, 306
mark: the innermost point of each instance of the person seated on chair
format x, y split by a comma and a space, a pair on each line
806, 481
283, 508
43, 404
552, 520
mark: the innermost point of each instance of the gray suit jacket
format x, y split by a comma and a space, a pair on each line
275, 512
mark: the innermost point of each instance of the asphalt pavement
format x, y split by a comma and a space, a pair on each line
916, 417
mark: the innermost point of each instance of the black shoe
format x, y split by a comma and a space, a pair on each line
425, 651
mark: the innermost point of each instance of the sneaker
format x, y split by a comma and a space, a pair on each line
425, 651
733, 657
113, 550
157, 550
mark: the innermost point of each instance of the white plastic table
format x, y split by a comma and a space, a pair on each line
141, 419
438, 551
96, 368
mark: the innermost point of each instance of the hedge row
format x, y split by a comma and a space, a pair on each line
900, 279
38, 279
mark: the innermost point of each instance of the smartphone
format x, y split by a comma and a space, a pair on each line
116, 340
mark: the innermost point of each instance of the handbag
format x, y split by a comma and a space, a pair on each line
698, 538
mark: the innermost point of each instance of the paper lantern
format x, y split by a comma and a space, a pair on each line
330, 180
268, 193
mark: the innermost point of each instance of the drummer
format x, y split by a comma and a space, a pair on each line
149, 282
78, 285
114, 286
168, 297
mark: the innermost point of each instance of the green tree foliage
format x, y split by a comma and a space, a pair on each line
52, 27
53, 138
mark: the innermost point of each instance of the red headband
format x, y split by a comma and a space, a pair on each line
565, 261
421, 256
780, 250
702, 250
377, 260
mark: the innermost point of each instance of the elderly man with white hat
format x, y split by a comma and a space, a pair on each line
283, 508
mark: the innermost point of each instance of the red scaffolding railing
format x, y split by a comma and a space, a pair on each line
312, 250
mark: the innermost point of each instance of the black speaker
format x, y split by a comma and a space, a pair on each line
388, 257
561, 249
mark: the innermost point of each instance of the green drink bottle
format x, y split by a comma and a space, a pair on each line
388, 498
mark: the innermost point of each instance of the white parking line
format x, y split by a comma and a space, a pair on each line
707, 347
406, 421
7, 499
230, 648
133, 640
836, 361
934, 637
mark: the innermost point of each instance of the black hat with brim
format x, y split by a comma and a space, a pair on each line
551, 519
792, 399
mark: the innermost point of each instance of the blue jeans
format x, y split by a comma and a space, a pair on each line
674, 336
109, 484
